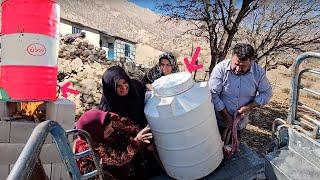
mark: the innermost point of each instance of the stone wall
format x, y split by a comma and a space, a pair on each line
83, 65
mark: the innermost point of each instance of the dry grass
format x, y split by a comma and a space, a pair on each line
258, 133
307, 85
286, 75
285, 90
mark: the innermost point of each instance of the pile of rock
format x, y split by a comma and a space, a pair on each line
83, 64
80, 48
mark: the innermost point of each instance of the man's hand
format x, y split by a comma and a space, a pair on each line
228, 121
226, 135
143, 135
244, 110
226, 118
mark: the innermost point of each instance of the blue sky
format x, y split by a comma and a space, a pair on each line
150, 4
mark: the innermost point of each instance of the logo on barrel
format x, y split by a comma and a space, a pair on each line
36, 49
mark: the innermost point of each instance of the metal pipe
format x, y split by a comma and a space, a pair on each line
306, 123
301, 130
309, 108
312, 71
89, 140
83, 154
307, 89
311, 91
90, 174
310, 119
295, 84
65, 151
23, 167
276, 121
283, 124
27, 159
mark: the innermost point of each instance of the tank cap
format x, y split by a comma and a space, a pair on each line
173, 84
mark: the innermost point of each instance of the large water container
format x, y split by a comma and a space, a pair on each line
30, 39
184, 126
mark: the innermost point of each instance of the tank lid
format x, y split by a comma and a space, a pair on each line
173, 84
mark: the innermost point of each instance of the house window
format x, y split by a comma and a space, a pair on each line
75, 30
110, 50
126, 50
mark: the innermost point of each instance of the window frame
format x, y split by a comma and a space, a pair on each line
126, 50
76, 29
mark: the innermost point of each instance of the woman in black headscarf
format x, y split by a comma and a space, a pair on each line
123, 95
167, 65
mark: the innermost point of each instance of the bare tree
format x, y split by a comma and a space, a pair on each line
272, 27
282, 27
216, 20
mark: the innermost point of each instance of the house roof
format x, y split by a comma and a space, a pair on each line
100, 31
68, 14
97, 15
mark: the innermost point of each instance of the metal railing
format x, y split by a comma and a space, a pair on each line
23, 167
304, 119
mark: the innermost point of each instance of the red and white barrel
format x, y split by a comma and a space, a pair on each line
30, 44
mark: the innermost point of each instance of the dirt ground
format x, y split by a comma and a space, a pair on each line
258, 132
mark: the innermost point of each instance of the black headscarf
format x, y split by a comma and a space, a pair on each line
131, 105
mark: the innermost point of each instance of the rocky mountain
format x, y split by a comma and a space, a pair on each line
125, 19
120, 18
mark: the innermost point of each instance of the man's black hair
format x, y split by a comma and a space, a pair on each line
244, 52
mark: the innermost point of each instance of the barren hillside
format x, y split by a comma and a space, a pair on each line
125, 19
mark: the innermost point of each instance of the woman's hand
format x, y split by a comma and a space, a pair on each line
143, 135
124, 119
149, 87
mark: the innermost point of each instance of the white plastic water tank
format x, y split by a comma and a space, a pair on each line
184, 126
